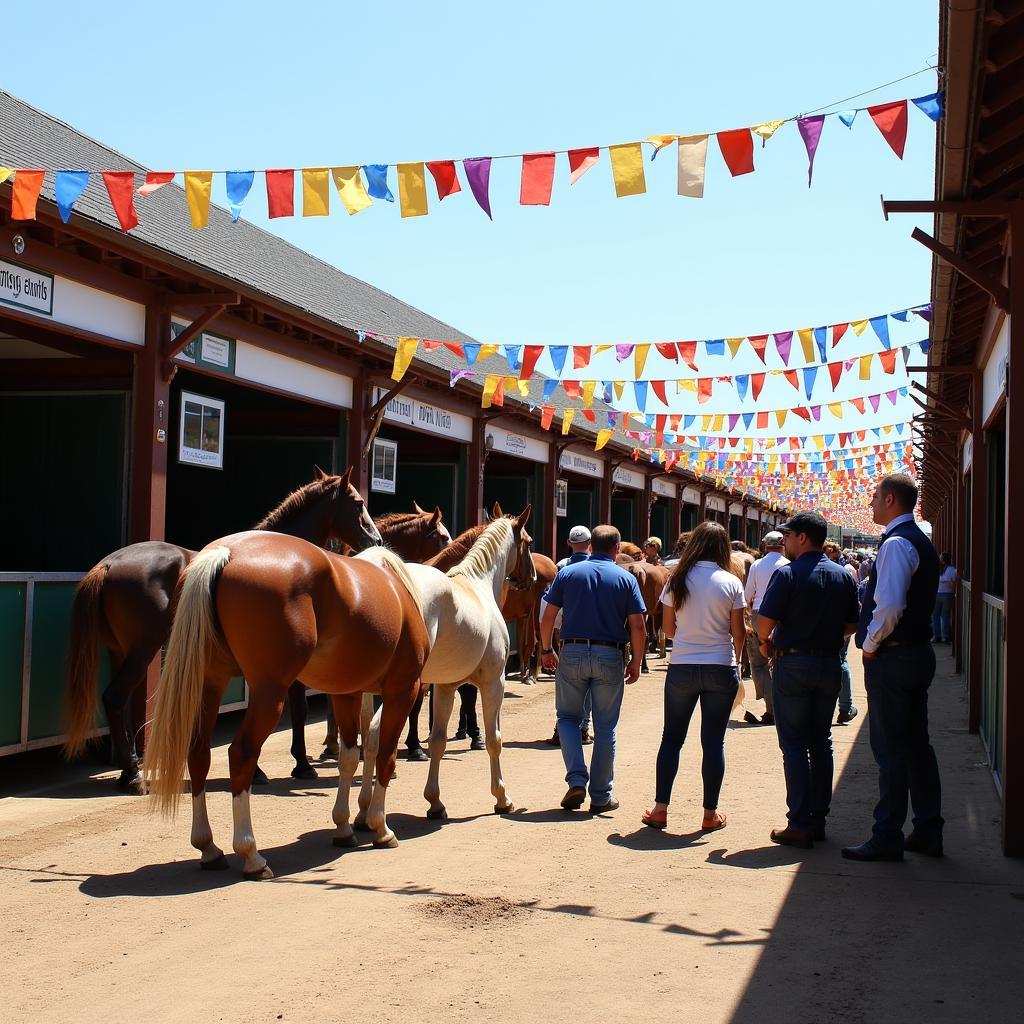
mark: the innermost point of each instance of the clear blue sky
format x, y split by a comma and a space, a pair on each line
276, 85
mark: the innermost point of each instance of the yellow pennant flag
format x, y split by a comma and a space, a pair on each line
628, 169
619, 386
705, 423
524, 388
865, 367
197, 192
687, 384
486, 351
659, 142
588, 393
780, 416
600, 349
5, 173
351, 190
836, 408
640, 360
603, 437
819, 442
807, 344
767, 130
490, 386
567, 419
316, 192
734, 345
412, 190
717, 422
858, 326
403, 356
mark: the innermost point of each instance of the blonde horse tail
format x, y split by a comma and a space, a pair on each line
401, 570
180, 694
82, 666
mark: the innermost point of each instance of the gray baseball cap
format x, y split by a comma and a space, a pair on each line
579, 535
773, 539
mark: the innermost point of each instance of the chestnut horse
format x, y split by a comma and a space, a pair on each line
651, 579
522, 606
468, 643
276, 608
124, 602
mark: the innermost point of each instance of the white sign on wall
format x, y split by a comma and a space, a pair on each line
561, 497
426, 416
625, 477
753, 513
384, 467
715, 503
25, 288
691, 495
518, 444
667, 489
201, 431
585, 465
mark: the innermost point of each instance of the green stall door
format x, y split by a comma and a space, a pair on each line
428, 484
12, 618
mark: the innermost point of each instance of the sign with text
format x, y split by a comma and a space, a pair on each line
201, 431
664, 488
517, 444
626, 477
208, 350
582, 464
384, 469
25, 288
425, 416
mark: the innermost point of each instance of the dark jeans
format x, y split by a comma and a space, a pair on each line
897, 681
715, 687
806, 688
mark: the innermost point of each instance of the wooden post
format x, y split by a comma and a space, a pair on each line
358, 431
475, 471
606, 491
645, 511
549, 541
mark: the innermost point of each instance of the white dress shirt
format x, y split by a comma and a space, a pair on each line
760, 574
896, 562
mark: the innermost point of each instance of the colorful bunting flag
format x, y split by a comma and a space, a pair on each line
446, 179
412, 190
121, 189
280, 193
810, 132
580, 161
67, 187
537, 179
238, 185
891, 120
198, 186
349, 185
627, 169
377, 182
316, 194
155, 180
737, 148
25, 196
403, 356
478, 174
693, 151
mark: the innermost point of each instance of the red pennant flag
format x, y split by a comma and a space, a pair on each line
499, 393
455, 347
704, 385
790, 375
281, 193
545, 417
155, 180
835, 371
580, 356
804, 414
762, 420
531, 353
121, 189
667, 349
891, 119
687, 352
737, 148
858, 404
445, 178
837, 332
580, 161
658, 387
759, 343
756, 383
588, 414
537, 178
572, 388
888, 360
27, 186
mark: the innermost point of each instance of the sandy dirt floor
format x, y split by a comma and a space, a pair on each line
539, 915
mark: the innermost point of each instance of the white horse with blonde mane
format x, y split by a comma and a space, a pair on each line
469, 642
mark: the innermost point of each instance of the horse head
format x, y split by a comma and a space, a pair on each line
435, 534
520, 571
349, 520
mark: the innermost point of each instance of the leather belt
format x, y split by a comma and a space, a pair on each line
595, 643
811, 651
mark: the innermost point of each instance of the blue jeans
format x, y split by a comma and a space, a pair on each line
897, 681
846, 684
715, 687
597, 671
942, 627
805, 688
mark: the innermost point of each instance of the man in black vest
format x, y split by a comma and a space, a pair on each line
894, 634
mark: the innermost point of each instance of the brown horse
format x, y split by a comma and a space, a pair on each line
651, 579
275, 609
124, 603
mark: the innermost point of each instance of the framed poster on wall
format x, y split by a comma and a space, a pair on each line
201, 431
384, 470
561, 497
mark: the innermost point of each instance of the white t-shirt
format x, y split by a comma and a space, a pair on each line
704, 623
760, 575
947, 580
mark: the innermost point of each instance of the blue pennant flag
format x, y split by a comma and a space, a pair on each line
932, 105
877, 433
742, 380
557, 353
68, 186
471, 351
611, 419
238, 184
904, 392
830, 439
549, 387
702, 443
810, 372
512, 355
880, 325
640, 390
925, 345
649, 419
819, 340
847, 117
688, 422
715, 348
748, 418
903, 315
670, 440
899, 428
377, 181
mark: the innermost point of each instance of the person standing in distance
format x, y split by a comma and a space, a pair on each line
810, 605
899, 663
599, 601
758, 578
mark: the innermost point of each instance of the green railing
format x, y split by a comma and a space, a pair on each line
993, 631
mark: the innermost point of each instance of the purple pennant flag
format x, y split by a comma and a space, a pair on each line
478, 172
924, 312
734, 418
816, 411
783, 343
810, 132
623, 351
873, 399
457, 375
891, 395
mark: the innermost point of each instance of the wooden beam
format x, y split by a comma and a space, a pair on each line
1000, 294
937, 399
375, 413
185, 300
937, 417
964, 207
172, 346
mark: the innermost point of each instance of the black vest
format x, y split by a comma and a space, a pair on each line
915, 625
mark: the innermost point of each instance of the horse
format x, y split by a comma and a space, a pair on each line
469, 642
125, 603
523, 608
629, 552
276, 608
651, 579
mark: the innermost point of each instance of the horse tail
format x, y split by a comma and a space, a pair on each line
401, 570
81, 668
180, 694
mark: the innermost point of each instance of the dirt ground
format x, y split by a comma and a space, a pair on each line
542, 914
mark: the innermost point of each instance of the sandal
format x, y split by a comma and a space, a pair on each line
651, 821
714, 826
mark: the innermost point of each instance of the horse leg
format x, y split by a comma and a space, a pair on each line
346, 713
299, 711
394, 714
444, 698
128, 675
492, 693
331, 747
412, 741
266, 702
370, 730
211, 857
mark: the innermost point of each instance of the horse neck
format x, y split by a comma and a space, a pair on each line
308, 521
457, 550
498, 571
404, 537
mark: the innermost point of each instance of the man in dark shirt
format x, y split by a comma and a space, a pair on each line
810, 606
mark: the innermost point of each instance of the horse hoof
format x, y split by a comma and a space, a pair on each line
330, 754
437, 815
507, 809
345, 842
304, 771
217, 864
130, 782
360, 824
261, 875
259, 777
391, 843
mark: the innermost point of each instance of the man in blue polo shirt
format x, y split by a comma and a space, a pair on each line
809, 607
598, 599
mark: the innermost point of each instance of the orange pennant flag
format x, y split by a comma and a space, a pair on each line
27, 186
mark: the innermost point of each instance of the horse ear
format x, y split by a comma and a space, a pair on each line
318, 473
524, 517
346, 478
436, 516
416, 508
496, 512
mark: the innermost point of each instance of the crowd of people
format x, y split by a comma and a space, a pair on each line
789, 614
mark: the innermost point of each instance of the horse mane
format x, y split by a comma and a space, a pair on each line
480, 559
460, 546
296, 500
395, 522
